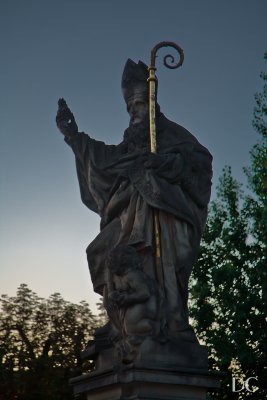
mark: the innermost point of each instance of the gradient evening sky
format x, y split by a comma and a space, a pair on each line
77, 50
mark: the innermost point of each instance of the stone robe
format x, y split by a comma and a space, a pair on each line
117, 183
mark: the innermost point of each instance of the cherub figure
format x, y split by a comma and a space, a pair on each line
132, 300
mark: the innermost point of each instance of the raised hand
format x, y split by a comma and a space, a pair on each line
65, 120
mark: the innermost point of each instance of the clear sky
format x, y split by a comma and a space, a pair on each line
77, 50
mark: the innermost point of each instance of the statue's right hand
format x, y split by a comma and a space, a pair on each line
65, 120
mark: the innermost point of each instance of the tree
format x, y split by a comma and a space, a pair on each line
40, 344
229, 280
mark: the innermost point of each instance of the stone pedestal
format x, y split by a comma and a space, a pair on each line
146, 382
162, 371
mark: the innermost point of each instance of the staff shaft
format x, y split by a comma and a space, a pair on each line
169, 62
153, 148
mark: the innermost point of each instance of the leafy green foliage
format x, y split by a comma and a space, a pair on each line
228, 287
40, 344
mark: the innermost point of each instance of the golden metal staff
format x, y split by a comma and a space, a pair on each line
153, 139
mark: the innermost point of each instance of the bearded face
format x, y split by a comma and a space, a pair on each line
138, 109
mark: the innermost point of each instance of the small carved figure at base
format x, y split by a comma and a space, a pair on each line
132, 301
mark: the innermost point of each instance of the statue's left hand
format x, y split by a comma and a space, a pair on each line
65, 120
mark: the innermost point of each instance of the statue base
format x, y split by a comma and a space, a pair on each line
162, 371
146, 382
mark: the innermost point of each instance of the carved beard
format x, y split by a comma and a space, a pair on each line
137, 136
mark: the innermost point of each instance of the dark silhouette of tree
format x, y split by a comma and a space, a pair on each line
40, 345
228, 288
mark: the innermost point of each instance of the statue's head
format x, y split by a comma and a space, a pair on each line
123, 258
135, 90
138, 109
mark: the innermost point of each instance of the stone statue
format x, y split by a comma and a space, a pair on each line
125, 184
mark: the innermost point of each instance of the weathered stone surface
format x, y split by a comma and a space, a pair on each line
183, 354
146, 382
137, 193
